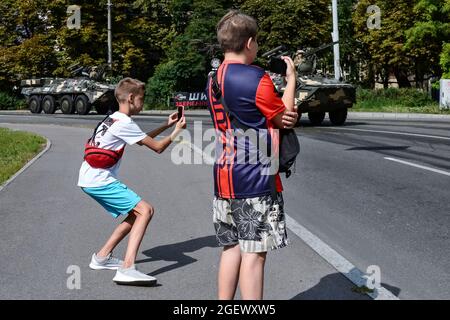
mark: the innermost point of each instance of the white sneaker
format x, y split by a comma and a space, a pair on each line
108, 263
131, 276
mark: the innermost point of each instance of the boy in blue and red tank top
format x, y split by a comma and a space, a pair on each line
248, 213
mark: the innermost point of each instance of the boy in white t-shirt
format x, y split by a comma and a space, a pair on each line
98, 178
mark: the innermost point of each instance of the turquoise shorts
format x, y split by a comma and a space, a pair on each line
115, 197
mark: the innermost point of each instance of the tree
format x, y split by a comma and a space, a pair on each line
427, 39
445, 61
386, 46
35, 40
351, 51
26, 47
187, 65
294, 23
138, 34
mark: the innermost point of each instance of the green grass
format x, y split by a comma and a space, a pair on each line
362, 290
16, 149
396, 100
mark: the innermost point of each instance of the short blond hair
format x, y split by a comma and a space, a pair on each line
127, 86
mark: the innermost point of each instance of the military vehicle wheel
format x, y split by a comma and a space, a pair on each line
35, 104
82, 105
338, 117
49, 104
102, 109
316, 118
67, 106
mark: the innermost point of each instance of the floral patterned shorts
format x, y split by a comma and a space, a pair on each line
257, 224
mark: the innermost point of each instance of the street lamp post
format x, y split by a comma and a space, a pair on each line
109, 36
335, 36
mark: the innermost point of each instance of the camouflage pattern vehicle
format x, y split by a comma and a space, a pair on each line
78, 94
316, 94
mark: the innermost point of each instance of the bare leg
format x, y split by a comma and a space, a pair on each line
251, 279
119, 233
143, 213
230, 262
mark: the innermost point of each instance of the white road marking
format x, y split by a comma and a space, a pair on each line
419, 166
341, 264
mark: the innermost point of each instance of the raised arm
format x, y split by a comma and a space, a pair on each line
160, 145
288, 118
170, 122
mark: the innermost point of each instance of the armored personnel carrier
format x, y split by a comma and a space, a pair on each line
79, 94
316, 94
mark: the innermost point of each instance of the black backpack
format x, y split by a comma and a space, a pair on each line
289, 146
289, 150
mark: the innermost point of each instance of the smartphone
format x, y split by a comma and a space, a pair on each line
180, 112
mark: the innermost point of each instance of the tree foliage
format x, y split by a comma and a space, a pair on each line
168, 43
294, 23
35, 40
187, 65
385, 46
428, 37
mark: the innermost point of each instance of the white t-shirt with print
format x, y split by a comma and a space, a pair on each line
123, 131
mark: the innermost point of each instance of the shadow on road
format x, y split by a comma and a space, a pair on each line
305, 123
336, 287
379, 148
177, 252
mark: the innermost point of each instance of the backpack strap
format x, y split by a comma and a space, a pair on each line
92, 138
217, 91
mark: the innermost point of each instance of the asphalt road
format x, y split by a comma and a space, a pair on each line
372, 210
376, 211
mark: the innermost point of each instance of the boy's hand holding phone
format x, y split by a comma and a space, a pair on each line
181, 124
176, 116
173, 118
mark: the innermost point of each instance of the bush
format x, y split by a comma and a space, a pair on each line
395, 100
11, 102
160, 87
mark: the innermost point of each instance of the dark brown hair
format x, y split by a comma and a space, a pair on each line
234, 30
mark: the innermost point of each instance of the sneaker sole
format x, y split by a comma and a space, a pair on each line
96, 267
144, 283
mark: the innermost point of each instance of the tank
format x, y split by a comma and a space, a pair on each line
316, 94
86, 89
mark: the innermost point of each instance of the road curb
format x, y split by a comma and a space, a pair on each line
351, 115
28, 164
397, 116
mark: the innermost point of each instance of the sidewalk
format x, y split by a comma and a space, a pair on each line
48, 225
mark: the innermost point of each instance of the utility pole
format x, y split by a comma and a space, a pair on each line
335, 37
109, 36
